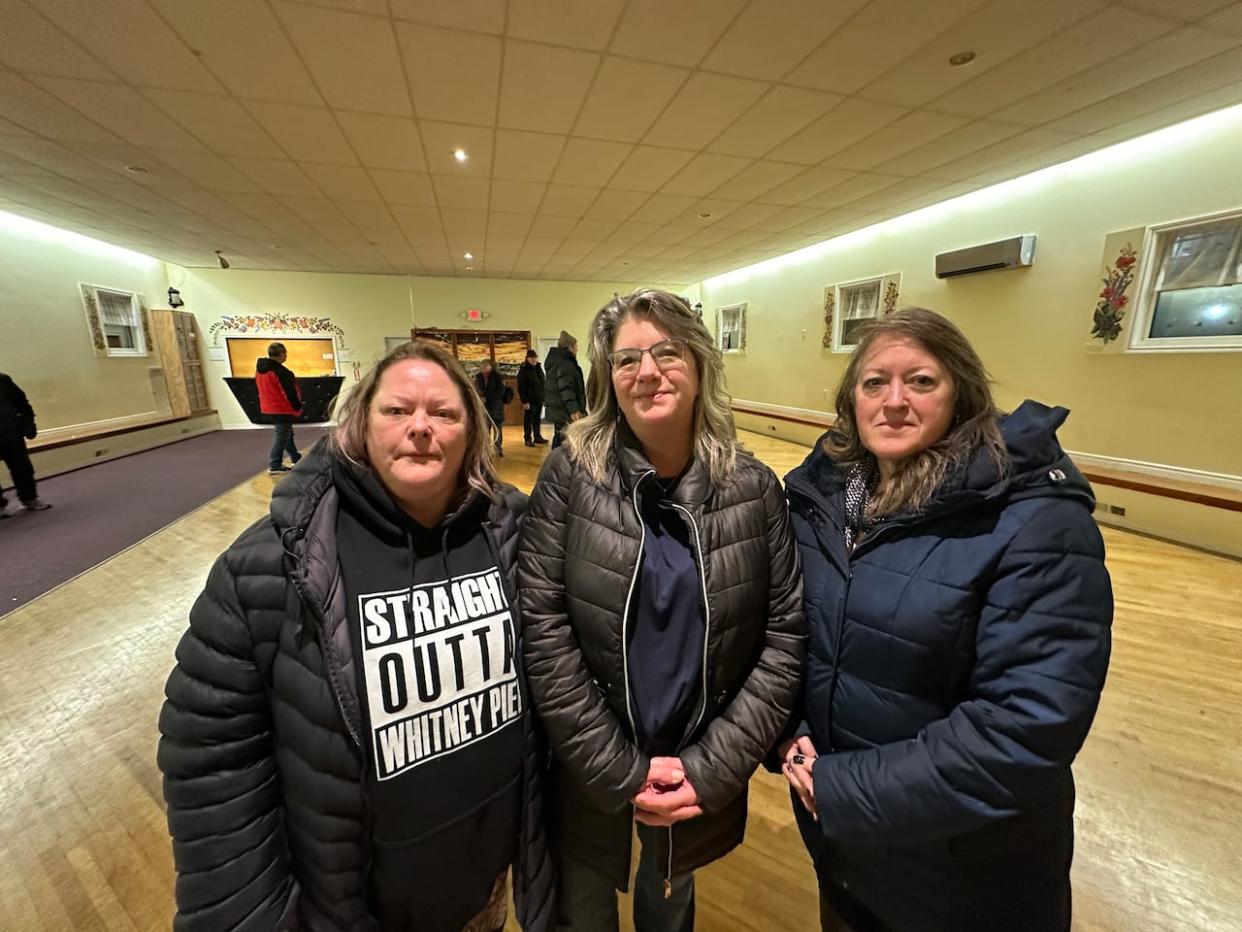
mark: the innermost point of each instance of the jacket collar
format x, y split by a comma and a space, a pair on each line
636, 471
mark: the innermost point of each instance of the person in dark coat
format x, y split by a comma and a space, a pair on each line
959, 613
347, 742
492, 389
281, 400
566, 399
17, 425
530, 384
662, 619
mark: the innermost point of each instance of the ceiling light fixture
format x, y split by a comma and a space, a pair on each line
136, 170
470, 268
961, 58
705, 216
224, 263
468, 255
461, 155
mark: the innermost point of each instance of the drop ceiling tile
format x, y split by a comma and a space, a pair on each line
498, 244
474, 15
845, 124
523, 156
384, 141
1027, 143
440, 87
649, 168
590, 162
342, 181
707, 212
581, 24
440, 140
626, 98
1156, 59
277, 176
772, 35
774, 118
408, 188
995, 33
748, 215
220, 121
1228, 20
702, 109
1075, 50
517, 196
471, 222
877, 39
432, 238
140, 46
123, 111
352, 58
1187, 11
811, 182
859, 186
616, 205
567, 201
961, 142
903, 134
592, 228
457, 192
756, 178
320, 211
207, 170
28, 42
705, 173
365, 213
543, 87
673, 32
308, 134
504, 223
35, 110
662, 208
548, 225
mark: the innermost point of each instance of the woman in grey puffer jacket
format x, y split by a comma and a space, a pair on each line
662, 619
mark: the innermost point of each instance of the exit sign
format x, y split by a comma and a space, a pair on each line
473, 314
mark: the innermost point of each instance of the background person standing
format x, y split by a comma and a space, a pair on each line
281, 400
17, 425
530, 383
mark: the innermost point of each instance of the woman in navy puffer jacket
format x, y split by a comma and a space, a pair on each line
959, 615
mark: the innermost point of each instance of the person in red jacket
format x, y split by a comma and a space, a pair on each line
281, 400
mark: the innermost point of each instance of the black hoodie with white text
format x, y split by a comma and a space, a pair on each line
434, 641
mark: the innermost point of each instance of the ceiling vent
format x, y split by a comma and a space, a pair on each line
1015, 252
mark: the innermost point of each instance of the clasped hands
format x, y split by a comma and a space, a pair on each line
667, 796
797, 764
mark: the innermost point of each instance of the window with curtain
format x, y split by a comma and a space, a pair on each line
858, 302
121, 323
1194, 296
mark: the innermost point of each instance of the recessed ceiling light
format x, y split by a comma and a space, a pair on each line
136, 170
468, 255
470, 268
961, 58
705, 216
461, 155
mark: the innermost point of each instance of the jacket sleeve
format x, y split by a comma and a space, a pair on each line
523, 384
225, 809
1042, 648
290, 384
21, 404
583, 731
721, 762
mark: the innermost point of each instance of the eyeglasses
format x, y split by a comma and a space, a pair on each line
667, 354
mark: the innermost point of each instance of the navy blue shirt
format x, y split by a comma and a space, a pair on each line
666, 627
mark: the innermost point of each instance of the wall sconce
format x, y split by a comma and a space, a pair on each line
224, 263
698, 309
174, 298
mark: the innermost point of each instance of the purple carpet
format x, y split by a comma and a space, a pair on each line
100, 510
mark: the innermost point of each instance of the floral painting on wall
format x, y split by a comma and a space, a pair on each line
1110, 310
274, 324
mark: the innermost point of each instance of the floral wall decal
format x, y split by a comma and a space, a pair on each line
830, 300
275, 324
1110, 309
890, 298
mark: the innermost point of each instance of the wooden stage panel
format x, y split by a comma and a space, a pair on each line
83, 842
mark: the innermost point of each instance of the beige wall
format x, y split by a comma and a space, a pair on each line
1031, 325
371, 307
44, 341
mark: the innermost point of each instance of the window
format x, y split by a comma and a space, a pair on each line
1191, 298
731, 328
859, 302
116, 321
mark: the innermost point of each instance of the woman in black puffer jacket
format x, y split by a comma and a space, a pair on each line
347, 744
662, 617
959, 614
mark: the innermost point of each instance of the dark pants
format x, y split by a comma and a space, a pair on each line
13, 452
498, 419
588, 899
282, 442
530, 421
558, 433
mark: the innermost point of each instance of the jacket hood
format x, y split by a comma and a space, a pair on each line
265, 364
1038, 465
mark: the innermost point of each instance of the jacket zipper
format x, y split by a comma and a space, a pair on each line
629, 595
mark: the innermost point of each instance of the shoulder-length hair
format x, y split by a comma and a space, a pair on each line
352, 414
974, 426
591, 438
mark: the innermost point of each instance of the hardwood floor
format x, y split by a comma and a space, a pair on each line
83, 843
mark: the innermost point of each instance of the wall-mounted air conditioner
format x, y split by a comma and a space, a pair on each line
1015, 252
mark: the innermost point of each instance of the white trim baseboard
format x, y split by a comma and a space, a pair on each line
89, 428
1157, 470
824, 418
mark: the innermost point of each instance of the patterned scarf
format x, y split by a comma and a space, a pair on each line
859, 485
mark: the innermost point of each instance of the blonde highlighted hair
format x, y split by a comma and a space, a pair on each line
352, 414
591, 438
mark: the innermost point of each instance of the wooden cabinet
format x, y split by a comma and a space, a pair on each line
505, 348
178, 342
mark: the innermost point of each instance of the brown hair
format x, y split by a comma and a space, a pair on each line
973, 428
715, 438
353, 411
